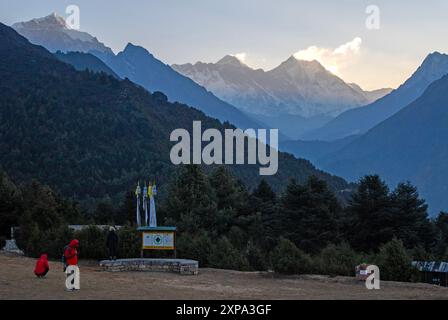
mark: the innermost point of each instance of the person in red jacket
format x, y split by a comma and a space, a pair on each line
71, 253
42, 266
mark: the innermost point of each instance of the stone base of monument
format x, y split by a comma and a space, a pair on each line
11, 247
182, 266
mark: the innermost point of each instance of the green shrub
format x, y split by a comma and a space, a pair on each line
338, 260
286, 258
420, 254
444, 256
92, 243
55, 240
394, 262
29, 240
256, 258
237, 237
225, 256
129, 243
198, 247
34, 241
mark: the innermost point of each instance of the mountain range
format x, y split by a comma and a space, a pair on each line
295, 87
296, 97
228, 90
85, 61
53, 33
405, 136
141, 67
134, 63
410, 145
360, 120
91, 136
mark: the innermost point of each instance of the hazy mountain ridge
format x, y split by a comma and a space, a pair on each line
53, 33
410, 145
315, 151
85, 61
372, 95
141, 67
303, 88
360, 120
293, 126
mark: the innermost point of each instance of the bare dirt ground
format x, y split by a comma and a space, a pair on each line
17, 281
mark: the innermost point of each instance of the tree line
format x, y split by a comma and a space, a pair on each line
221, 223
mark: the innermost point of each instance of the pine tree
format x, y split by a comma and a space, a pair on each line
441, 224
10, 205
394, 262
369, 215
265, 223
127, 212
410, 217
229, 194
309, 215
264, 192
105, 213
43, 206
231, 199
191, 203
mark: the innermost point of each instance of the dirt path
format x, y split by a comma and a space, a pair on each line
18, 282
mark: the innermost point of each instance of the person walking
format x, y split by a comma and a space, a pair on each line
112, 243
71, 253
70, 257
42, 266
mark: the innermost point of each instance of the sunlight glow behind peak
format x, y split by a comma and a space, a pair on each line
332, 59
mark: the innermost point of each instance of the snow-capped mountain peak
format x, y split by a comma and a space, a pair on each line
295, 87
132, 49
300, 68
433, 67
53, 33
294, 62
231, 61
51, 21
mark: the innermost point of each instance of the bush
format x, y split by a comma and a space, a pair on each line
394, 262
237, 237
256, 258
198, 247
35, 242
288, 259
225, 256
129, 243
420, 254
92, 243
55, 240
338, 260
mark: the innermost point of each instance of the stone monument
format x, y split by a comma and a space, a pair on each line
11, 245
153, 237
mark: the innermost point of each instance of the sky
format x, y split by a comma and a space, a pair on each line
265, 33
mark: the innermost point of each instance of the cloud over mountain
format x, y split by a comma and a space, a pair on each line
332, 59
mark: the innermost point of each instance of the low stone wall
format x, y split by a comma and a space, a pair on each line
182, 266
